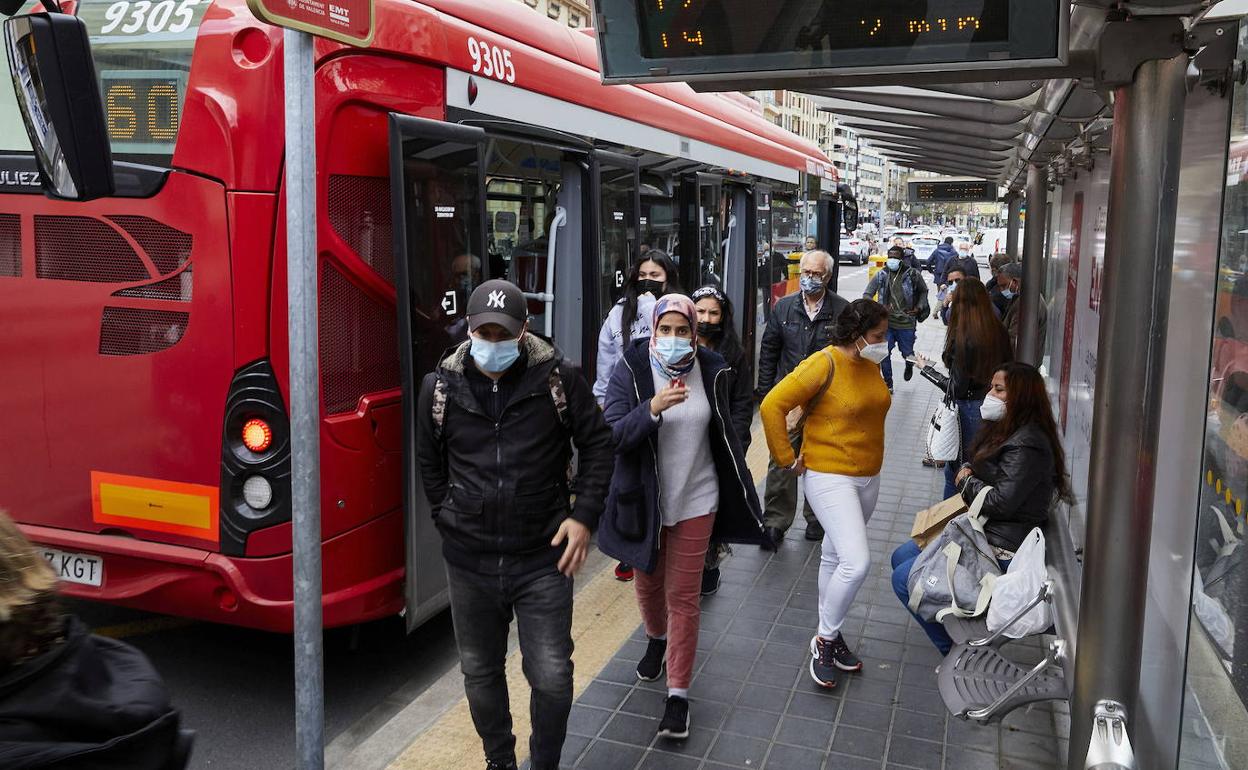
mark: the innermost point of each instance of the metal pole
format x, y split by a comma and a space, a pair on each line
1015, 201
1033, 268
1139, 256
305, 407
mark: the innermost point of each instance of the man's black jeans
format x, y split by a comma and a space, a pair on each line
481, 608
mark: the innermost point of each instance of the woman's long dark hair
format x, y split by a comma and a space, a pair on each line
977, 343
672, 285
1027, 404
860, 317
729, 345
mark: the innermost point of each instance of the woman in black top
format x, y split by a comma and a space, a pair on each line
1019, 455
975, 345
717, 332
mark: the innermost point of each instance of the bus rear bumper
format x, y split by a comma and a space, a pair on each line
251, 592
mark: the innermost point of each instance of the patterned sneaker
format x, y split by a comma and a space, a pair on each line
675, 724
822, 664
651, 666
842, 657
491, 764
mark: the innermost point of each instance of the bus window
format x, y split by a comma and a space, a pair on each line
618, 241
524, 183
762, 253
712, 229
660, 223
142, 55
13, 136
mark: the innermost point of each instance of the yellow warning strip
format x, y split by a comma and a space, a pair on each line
604, 614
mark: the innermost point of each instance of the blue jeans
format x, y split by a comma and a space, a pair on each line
482, 607
903, 561
902, 338
969, 422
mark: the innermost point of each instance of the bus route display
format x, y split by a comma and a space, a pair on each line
700, 39
953, 192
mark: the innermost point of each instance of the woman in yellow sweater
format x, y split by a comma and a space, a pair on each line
840, 459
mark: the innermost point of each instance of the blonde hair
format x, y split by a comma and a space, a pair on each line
30, 617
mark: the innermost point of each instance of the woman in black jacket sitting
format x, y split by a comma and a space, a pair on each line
1019, 455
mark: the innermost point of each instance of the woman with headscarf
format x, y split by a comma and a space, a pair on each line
680, 479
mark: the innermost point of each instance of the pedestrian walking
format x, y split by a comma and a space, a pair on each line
1020, 456
496, 425
975, 346
940, 258
652, 277
717, 332
680, 480
800, 324
845, 403
902, 290
1012, 277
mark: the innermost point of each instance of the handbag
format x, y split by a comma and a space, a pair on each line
956, 573
944, 432
930, 522
795, 420
1019, 586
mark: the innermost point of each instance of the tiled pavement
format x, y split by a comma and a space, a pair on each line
752, 702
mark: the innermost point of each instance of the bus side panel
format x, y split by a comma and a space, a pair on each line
251, 244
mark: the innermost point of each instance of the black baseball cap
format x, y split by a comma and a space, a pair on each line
498, 302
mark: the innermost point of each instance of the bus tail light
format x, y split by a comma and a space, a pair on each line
257, 435
255, 457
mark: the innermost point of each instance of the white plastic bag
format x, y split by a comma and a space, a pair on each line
1017, 587
944, 434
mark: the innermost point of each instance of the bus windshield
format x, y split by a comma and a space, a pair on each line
142, 52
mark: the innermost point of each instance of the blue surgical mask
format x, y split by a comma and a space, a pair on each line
1007, 294
672, 350
811, 285
893, 264
495, 357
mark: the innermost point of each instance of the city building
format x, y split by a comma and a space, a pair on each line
574, 13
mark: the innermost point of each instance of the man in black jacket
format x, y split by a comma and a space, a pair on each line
493, 428
800, 325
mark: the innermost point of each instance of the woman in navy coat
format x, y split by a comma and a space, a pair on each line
680, 478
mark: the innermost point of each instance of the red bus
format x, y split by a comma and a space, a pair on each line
143, 369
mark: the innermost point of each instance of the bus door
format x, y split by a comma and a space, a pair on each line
713, 220
761, 300
437, 184
617, 193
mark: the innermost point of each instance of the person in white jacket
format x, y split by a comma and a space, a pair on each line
650, 278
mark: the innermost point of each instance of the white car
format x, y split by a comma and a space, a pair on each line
853, 249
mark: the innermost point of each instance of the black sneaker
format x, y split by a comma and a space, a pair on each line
675, 724
814, 531
909, 374
842, 657
651, 666
710, 581
491, 764
822, 665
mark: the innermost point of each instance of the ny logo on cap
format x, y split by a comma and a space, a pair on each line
497, 299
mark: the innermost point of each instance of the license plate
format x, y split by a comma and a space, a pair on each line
76, 567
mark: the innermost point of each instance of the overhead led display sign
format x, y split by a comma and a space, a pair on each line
652, 40
953, 192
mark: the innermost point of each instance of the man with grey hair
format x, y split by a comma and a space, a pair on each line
800, 325
1012, 279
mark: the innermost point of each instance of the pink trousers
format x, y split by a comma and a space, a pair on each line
670, 597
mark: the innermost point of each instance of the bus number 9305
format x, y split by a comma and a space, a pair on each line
491, 61
148, 17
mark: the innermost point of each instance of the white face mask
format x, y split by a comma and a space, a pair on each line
993, 408
874, 353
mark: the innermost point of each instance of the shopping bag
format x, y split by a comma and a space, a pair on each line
944, 434
1017, 587
929, 522
956, 573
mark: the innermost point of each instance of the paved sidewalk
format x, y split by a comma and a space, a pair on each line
752, 702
